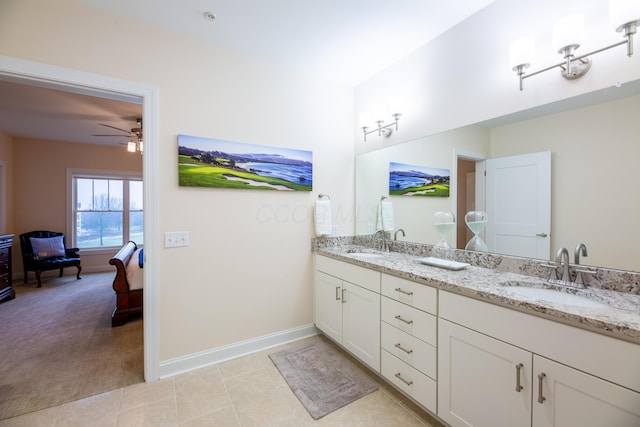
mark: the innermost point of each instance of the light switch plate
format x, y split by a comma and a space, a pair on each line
174, 239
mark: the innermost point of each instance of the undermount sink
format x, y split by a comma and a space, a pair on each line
364, 254
552, 295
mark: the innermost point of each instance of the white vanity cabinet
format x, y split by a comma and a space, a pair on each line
501, 367
347, 307
409, 338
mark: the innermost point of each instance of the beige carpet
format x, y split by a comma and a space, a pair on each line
57, 344
321, 378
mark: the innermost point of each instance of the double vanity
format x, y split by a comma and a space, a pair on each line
490, 343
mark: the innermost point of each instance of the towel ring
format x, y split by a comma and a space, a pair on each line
320, 196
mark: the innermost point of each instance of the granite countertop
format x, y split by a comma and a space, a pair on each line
619, 317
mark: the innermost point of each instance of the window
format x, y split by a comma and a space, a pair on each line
106, 209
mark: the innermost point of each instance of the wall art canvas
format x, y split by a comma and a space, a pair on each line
413, 180
208, 162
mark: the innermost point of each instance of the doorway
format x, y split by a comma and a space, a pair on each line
58, 78
469, 192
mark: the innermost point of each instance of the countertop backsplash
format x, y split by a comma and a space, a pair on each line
603, 278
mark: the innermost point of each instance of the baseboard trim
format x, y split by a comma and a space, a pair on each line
201, 359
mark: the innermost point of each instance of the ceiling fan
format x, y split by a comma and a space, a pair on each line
135, 133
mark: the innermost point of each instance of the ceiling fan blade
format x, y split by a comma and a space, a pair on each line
121, 136
113, 127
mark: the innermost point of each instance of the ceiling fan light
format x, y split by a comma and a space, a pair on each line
141, 146
131, 147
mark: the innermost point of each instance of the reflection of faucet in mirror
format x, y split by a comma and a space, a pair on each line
395, 236
562, 260
384, 246
580, 247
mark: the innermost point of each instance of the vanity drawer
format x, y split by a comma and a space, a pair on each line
410, 320
411, 381
411, 293
409, 349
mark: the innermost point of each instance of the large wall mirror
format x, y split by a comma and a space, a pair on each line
594, 141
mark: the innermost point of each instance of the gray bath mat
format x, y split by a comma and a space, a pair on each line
322, 378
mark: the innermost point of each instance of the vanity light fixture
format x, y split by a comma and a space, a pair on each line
378, 116
567, 35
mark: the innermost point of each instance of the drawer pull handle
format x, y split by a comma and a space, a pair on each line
337, 293
408, 322
541, 398
399, 346
519, 367
344, 300
399, 376
404, 292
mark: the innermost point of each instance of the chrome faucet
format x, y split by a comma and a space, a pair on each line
562, 260
385, 246
580, 247
395, 236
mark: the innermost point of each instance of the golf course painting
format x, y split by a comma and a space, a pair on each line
412, 180
208, 162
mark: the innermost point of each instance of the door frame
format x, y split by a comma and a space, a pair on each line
479, 158
59, 78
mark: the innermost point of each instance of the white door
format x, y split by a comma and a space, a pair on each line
573, 398
518, 203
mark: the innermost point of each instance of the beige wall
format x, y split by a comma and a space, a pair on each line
594, 155
247, 271
6, 155
40, 186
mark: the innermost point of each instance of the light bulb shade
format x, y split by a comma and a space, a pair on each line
131, 147
623, 11
366, 119
568, 31
140, 145
522, 51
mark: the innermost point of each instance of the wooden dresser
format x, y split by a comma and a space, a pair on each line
6, 288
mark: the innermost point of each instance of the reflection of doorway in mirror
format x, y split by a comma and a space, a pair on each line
469, 187
466, 199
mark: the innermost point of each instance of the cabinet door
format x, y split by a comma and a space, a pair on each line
573, 398
361, 324
477, 379
328, 305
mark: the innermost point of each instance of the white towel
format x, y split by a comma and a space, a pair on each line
385, 216
323, 218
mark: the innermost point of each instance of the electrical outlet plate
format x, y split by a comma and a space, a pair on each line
174, 239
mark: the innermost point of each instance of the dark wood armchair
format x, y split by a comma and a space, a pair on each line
47, 250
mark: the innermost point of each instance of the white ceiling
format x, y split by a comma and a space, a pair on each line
343, 40
347, 40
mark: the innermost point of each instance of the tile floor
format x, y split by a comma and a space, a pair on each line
247, 391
